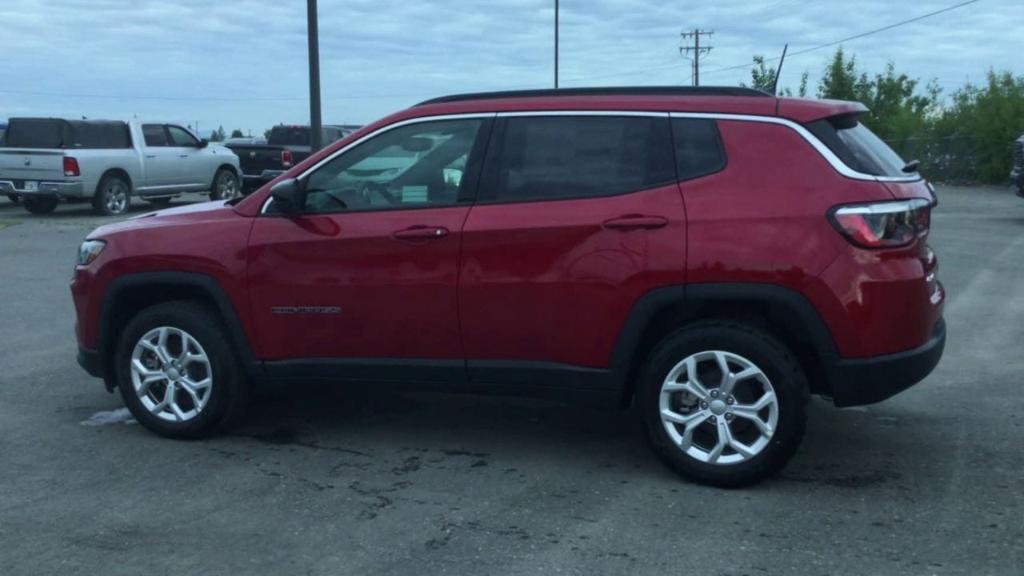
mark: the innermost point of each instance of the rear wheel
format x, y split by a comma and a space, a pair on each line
113, 196
40, 204
723, 403
14, 198
177, 372
225, 185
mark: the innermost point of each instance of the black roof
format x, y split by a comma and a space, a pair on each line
609, 91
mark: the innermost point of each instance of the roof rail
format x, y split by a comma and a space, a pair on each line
609, 91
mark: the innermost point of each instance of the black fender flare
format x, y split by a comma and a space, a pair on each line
196, 281
693, 296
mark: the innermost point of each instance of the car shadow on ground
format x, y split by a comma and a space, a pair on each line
362, 421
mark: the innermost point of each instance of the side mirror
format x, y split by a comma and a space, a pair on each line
203, 143
289, 196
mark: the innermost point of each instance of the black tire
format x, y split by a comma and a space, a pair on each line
14, 198
40, 204
113, 196
225, 185
766, 353
228, 393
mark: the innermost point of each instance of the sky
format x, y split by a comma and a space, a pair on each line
243, 63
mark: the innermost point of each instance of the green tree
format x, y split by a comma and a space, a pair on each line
763, 78
217, 135
236, 133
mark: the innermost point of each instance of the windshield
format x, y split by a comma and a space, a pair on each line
858, 147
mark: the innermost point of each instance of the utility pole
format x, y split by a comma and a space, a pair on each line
556, 44
696, 50
313, 33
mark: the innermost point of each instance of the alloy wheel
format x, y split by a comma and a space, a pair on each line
171, 374
718, 407
116, 197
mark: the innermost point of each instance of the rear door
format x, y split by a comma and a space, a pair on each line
362, 283
162, 164
577, 216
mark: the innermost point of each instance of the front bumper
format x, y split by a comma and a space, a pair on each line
860, 381
44, 188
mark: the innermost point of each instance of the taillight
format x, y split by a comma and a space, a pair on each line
71, 167
883, 224
286, 158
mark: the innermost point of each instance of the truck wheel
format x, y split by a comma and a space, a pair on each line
40, 205
177, 372
14, 198
113, 196
723, 403
225, 185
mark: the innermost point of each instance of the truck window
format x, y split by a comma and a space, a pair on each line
154, 135
181, 137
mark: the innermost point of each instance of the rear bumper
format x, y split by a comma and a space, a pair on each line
860, 381
61, 189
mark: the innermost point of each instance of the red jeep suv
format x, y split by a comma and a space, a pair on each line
712, 256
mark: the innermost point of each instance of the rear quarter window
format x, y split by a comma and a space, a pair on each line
698, 147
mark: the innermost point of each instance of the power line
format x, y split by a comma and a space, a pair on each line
854, 37
696, 50
203, 98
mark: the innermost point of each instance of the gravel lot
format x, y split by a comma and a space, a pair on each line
326, 480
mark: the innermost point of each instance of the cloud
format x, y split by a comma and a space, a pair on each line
243, 63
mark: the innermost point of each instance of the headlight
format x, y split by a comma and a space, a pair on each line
89, 251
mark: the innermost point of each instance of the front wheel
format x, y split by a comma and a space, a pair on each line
225, 185
113, 196
723, 403
177, 372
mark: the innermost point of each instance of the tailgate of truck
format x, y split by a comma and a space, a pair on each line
255, 159
27, 167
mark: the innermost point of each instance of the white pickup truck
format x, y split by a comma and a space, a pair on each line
47, 160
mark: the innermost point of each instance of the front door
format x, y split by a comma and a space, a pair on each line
192, 172
362, 283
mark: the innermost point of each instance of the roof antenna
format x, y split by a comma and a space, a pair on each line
778, 72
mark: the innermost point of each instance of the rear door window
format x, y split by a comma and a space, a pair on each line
154, 134
559, 157
698, 147
857, 146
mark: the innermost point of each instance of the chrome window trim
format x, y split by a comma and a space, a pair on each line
811, 139
820, 147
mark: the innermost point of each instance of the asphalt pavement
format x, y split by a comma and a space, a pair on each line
341, 480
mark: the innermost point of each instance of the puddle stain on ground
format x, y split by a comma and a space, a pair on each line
109, 417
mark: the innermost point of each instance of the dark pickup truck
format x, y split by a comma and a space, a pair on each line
286, 146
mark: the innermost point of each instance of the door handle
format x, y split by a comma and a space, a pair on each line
421, 233
182, 155
636, 222
150, 155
